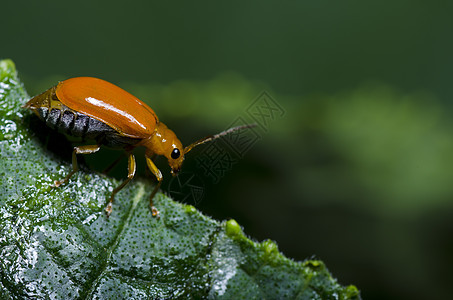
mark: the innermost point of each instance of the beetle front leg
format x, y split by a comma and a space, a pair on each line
131, 167
88, 149
159, 178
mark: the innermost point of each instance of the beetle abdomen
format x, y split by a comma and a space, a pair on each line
80, 125
73, 123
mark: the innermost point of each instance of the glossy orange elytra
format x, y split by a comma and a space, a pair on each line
95, 109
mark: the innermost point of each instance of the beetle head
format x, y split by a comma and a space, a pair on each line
164, 142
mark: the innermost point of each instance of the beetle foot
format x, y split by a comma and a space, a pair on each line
57, 183
155, 213
108, 209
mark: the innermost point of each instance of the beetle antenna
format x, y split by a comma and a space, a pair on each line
216, 136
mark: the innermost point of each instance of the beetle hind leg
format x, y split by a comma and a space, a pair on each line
88, 149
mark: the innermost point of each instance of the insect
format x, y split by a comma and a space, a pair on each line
97, 110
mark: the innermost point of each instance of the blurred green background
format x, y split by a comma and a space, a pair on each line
358, 170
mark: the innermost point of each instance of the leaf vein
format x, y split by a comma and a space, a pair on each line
109, 251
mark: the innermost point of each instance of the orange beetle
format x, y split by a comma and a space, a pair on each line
95, 109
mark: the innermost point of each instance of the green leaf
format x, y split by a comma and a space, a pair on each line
56, 243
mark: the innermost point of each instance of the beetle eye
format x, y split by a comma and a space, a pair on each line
175, 153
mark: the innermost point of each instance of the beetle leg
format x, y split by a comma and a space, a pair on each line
88, 149
131, 167
112, 165
159, 178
